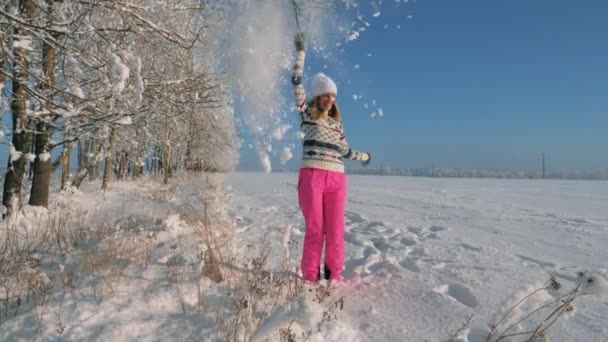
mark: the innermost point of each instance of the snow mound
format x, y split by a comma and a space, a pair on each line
305, 316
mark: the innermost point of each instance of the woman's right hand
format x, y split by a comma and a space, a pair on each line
299, 41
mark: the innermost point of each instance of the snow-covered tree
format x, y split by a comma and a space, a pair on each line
119, 80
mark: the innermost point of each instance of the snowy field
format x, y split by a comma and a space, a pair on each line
424, 254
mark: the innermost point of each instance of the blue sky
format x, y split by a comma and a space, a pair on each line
477, 84
472, 84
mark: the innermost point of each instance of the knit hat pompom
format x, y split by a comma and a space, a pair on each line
321, 84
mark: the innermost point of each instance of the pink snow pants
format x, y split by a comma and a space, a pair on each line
322, 196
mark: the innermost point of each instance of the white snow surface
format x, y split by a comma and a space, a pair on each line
142, 306
421, 255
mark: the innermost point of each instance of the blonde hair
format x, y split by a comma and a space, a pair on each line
316, 114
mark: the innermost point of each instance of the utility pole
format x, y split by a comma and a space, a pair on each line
543, 165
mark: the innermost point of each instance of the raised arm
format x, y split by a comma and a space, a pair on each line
298, 71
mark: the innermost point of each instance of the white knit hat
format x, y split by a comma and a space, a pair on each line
322, 84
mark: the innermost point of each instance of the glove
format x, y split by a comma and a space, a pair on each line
299, 41
368, 160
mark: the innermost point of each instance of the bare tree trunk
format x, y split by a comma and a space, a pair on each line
140, 156
122, 168
93, 172
167, 154
167, 163
158, 156
30, 171
83, 152
177, 159
108, 161
3, 62
188, 161
39, 195
66, 159
13, 180
93, 165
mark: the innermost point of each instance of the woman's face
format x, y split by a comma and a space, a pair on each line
326, 101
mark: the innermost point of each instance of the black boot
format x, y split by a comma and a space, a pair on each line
327, 273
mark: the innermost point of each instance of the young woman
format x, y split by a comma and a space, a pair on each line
321, 181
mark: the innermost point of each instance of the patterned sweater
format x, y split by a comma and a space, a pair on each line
324, 143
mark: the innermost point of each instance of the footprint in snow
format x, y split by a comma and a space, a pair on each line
436, 229
415, 230
375, 224
471, 247
458, 292
381, 244
354, 218
538, 262
407, 241
410, 265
